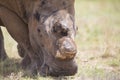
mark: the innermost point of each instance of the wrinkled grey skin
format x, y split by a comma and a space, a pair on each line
44, 30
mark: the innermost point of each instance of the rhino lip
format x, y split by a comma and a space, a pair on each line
60, 70
49, 71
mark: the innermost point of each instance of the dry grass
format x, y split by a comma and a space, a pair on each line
98, 41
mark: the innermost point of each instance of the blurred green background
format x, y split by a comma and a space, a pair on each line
97, 39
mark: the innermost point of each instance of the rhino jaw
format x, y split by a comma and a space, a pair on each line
57, 68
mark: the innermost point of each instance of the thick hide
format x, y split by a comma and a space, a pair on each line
44, 31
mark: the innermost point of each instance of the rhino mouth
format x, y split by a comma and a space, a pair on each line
62, 72
59, 69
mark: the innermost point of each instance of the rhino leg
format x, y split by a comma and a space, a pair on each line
19, 31
3, 54
22, 53
1, 23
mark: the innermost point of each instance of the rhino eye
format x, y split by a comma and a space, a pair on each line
59, 30
37, 16
64, 32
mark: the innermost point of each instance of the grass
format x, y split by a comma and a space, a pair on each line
114, 62
98, 42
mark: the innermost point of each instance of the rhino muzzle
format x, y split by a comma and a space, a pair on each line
65, 68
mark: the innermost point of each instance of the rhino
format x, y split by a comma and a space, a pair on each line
45, 32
